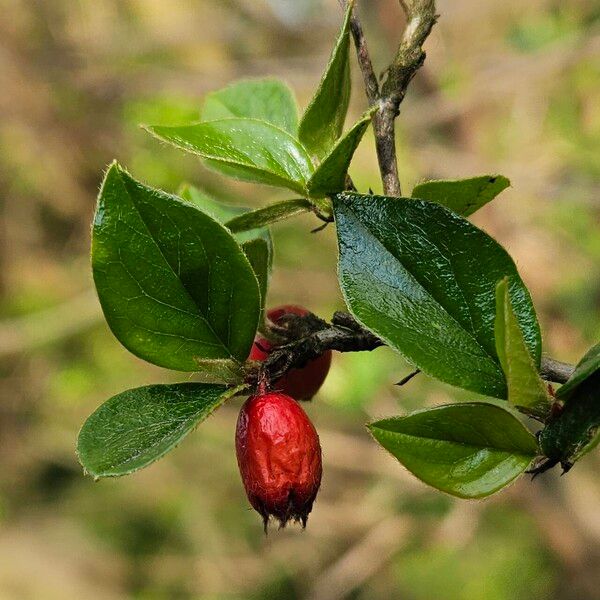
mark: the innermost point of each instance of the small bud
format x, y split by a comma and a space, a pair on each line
279, 457
302, 383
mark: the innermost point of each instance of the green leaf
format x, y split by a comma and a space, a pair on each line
277, 211
224, 213
575, 430
154, 261
526, 390
323, 121
268, 100
259, 253
256, 242
245, 149
469, 450
588, 366
217, 210
424, 280
137, 427
330, 176
463, 196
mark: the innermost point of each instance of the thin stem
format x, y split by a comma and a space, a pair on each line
364, 58
385, 144
421, 17
555, 370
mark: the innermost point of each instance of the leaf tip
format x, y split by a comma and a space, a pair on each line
149, 128
112, 168
349, 8
502, 288
505, 181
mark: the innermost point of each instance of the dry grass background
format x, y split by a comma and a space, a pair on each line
508, 87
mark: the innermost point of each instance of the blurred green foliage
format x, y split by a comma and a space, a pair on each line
507, 87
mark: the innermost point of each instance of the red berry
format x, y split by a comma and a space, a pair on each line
279, 456
302, 383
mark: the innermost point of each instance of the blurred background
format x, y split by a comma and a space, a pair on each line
508, 87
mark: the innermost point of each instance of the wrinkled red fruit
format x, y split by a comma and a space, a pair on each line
279, 456
302, 383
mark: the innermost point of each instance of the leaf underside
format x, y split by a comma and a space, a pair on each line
463, 196
268, 100
323, 120
330, 176
526, 390
469, 450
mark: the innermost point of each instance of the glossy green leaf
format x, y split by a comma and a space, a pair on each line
526, 390
469, 450
245, 149
137, 427
154, 261
330, 176
463, 196
424, 280
588, 366
278, 211
256, 242
267, 100
574, 431
323, 120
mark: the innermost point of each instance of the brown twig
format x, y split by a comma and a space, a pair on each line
555, 370
420, 19
305, 338
364, 58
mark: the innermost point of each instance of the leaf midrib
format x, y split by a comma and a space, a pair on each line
427, 291
185, 425
200, 314
299, 186
389, 432
472, 331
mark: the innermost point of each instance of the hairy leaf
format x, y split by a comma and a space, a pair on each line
245, 149
256, 242
323, 121
469, 450
137, 427
424, 280
155, 260
330, 176
463, 196
267, 100
526, 390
